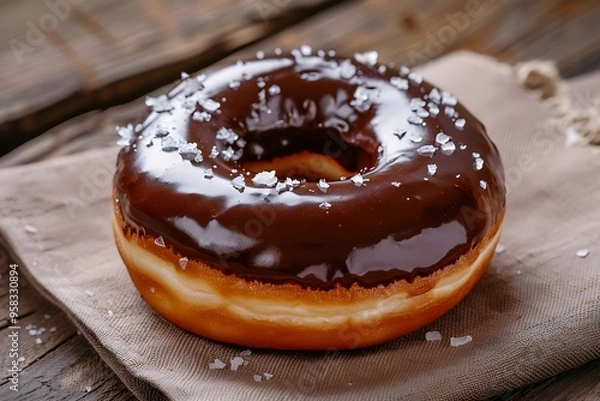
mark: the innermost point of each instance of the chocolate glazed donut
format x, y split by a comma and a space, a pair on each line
294, 182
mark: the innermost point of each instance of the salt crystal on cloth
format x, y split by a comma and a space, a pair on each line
524, 327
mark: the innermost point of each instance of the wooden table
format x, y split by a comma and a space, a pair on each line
72, 69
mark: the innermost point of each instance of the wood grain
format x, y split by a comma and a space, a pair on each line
101, 53
117, 51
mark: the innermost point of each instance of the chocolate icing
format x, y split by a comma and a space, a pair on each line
425, 198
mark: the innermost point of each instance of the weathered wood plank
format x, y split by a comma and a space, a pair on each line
61, 62
582, 384
70, 372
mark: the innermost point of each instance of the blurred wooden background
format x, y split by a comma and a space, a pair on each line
71, 70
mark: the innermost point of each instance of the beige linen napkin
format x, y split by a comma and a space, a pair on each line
535, 313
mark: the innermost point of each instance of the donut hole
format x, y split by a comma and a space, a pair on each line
301, 153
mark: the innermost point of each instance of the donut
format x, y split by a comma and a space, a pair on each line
306, 201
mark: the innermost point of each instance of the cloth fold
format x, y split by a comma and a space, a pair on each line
535, 313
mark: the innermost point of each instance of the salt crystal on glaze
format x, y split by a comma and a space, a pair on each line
265, 179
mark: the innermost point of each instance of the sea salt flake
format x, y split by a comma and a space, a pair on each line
414, 138
246, 352
184, 75
227, 134
208, 173
449, 99
159, 104
367, 58
449, 111
459, 341
416, 78
404, 70
209, 105
30, 229
183, 261
190, 151
217, 364
500, 248
416, 103
435, 95
416, 120
160, 241
38, 341
236, 362
239, 183
360, 98
460, 123
431, 169
265, 179
462, 146
169, 144
381, 69
434, 110
161, 132
422, 113
89, 293
306, 50
442, 138
268, 375
193, 86
483, 184
88, 389
274, 90
323, 185
201, 116
396, 184
347, 69
325, 205
476, 155
234, 84
126, 132
427, 150
214, 152
110, 313
478, 164
582, 253
52, 329
227, 153
399, 83
357, 179
433, 336
260, 55
448, 148
257, 378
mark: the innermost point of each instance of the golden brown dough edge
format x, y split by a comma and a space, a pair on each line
226, 308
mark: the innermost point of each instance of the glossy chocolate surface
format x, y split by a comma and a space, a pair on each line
429, 182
